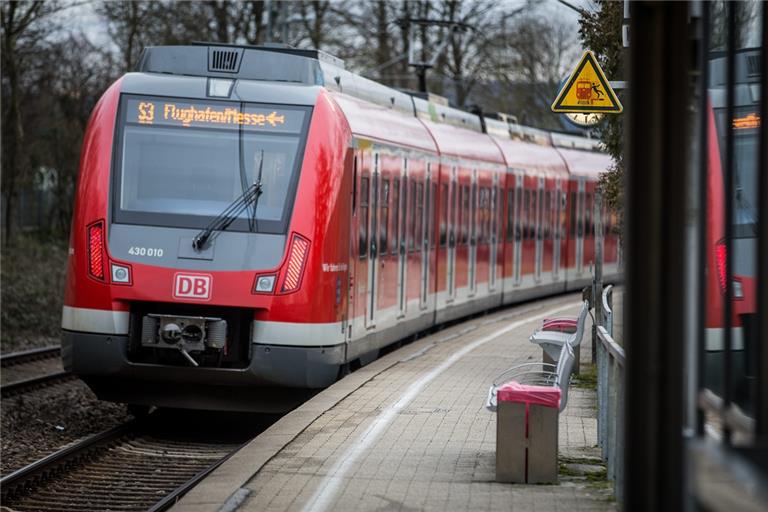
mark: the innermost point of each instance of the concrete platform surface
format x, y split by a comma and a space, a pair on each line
410, 432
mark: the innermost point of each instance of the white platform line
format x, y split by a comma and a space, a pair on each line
328, 488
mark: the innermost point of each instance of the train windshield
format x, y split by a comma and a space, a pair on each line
746, 124
181, 162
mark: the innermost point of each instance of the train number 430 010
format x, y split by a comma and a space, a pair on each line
146, 251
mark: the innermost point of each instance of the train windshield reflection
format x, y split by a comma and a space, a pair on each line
182, 171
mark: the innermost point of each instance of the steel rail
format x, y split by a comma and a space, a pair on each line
25, 356
59, 460
174, 496
21, 386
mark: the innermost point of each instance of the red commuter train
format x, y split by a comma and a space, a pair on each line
252, 222
744, 230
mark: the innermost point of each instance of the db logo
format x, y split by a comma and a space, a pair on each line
192, 286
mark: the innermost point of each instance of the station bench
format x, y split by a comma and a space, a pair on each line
558, 331
528, 400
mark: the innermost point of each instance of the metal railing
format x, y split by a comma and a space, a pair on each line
610, 397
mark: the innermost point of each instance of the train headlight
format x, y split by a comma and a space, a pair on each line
738, 290
264, 284
220, 87
121, 274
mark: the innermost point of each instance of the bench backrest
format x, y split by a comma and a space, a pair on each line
564, 367
581, 322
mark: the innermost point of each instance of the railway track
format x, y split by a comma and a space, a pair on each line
135, 466
31, 369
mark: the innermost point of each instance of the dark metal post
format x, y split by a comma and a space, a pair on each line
703, 138
762, 251
655, 192
728, 171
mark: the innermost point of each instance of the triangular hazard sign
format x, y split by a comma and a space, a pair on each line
587, 90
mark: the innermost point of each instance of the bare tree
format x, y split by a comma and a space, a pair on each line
530, 58
24, 26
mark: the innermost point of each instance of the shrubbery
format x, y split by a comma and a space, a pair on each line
33, 271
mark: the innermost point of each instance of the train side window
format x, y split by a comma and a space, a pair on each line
510, 214
395, 215
547, 214
533, 218
431, 228
419, 217
465, 214
573, 214
384, 220
412, 223
363, 222
454, 214
354, 185
443, 214
526, 210
487, 214
404, 215
540, 214
498, 211
588, 215
518, 213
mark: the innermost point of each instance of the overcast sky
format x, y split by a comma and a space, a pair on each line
83, 17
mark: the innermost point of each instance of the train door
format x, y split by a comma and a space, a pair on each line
353, 261
539, 229
556, 227
518, 250
580, 228
402, 299
426, 222
452, 217
473, 235
373, 252
493, 250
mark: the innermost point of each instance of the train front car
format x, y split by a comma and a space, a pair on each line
203, 268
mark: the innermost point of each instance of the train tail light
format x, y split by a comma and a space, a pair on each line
96, 258
297, 258
721, 257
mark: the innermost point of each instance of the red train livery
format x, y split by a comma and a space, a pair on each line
252, 222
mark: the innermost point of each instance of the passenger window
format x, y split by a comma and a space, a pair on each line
454, 216
404, 215
518, 214
496, 212
354, 186
412, 223
540, 215
431, 218
363, 223
547, 214
526, 212
443, 213
588, 216
384, 228
465, 214
395, 215
419, 217
510, 214
573, 214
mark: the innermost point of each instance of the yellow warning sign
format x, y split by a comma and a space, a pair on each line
587, 90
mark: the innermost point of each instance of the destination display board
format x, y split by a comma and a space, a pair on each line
221, 115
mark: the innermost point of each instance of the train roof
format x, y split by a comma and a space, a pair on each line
282, 63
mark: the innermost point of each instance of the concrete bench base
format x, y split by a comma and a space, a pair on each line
531, 459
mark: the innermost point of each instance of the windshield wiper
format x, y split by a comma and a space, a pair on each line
228, 215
